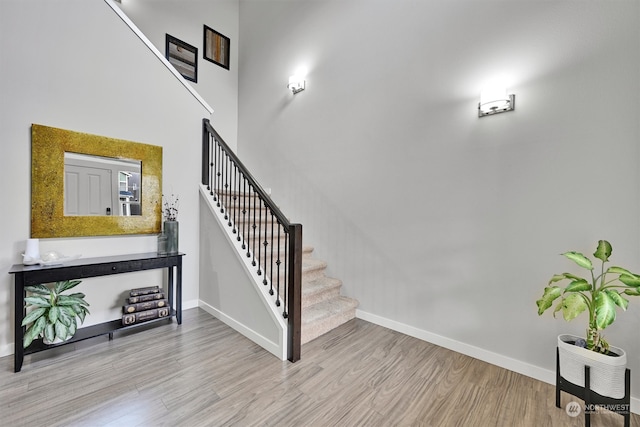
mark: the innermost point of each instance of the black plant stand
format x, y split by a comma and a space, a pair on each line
591, 398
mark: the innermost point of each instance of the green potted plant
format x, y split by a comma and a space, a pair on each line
599, 296
53, 315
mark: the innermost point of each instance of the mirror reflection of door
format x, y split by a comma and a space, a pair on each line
87, 191
95, 185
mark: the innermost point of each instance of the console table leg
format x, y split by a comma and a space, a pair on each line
179, 291
19, 313
170, 275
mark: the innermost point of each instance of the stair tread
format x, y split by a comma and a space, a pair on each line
320, 285
328, 308
310, 264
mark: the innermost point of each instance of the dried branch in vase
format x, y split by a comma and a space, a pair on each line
170, 207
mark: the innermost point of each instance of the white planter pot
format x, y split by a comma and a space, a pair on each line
606, 372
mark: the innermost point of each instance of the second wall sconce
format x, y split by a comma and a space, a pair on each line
494, 100
296, 83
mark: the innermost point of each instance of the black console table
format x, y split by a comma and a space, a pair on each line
91, 267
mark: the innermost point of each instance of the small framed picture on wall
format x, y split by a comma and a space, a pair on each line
183, 57
216, 47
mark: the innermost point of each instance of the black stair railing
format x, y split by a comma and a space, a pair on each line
267, 237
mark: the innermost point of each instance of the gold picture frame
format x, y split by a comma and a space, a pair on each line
48, 146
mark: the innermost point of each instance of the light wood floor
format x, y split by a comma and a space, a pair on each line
203, 373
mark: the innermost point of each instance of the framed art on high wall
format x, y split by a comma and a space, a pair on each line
216, 47
183, 57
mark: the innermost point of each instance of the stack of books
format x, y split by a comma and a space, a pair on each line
145, 304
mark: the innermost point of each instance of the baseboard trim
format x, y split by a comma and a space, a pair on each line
496, 359
194, 303
6, 350
278, 350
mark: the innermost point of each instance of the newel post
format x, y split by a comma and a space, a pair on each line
294, 301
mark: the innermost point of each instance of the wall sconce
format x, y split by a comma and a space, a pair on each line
296, 83
494, 100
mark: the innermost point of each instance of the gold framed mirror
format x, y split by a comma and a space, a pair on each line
48, 218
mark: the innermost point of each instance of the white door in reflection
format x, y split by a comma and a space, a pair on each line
87, 191
95, 185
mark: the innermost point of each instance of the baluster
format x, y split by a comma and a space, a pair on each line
271, 260
235, 197
223, 182
259, 237
249, 228
278, 268
265, 243
214, 165
228, 189
207, 153
225, 166
218, 173
229, 192
244, 212
255, 215
236, 210
267, 268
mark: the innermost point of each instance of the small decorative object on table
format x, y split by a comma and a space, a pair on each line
56, 258
162, 243
145, 304
170, 226
31, 254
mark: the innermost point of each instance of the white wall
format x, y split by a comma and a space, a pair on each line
230, 288
437, 221
226, 290
185, 19
73, 64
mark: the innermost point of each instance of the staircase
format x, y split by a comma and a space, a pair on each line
323, 308
272, 246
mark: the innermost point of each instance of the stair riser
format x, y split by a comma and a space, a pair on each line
247, 218
262, 228
314, 330
281, 253
251, 212
320, 297
250, 238
316, 298
250, 208
307, 276
310, 275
